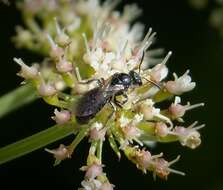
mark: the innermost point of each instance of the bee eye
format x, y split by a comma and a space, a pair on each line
136, 79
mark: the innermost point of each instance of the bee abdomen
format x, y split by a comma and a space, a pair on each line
90, 105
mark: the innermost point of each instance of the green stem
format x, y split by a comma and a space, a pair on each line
113, 144
83, 132
16, 98
34, 142
99, 150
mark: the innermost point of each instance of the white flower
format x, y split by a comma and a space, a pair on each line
137, 118
60, 153
46, 89
93, 171
160, 71
177, 110
91, 184
97, 125
181, 84
26, 71
97, 132
62, 116
189, 136
124, 121
162, 167
150, 112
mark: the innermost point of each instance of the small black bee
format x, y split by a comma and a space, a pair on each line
94, 100
118, 84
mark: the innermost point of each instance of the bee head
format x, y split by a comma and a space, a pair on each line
135, 77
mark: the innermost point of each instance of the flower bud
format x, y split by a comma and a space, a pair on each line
61, 117
177, 110
143, 159
56, 52
24, 37
46, 90
64, 66
161, 129
61, 39
160, 71
93, 171
97, 134
162, 167
181, 84
26, 71
189, 137
148, 111
60, 153
131, 131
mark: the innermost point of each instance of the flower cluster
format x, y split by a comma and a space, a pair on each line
80, 46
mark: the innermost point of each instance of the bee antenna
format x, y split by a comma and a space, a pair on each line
154, 83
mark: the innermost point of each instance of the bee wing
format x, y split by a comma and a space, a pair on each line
114, 89
91, 103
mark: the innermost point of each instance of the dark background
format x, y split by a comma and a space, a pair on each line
195, 45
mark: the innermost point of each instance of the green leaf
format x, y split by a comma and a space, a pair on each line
16, 98
35, 142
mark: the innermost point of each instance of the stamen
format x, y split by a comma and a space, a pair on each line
167, 57
190, 107
58, 29
176, 171
52, 43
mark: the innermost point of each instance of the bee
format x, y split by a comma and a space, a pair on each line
107, 92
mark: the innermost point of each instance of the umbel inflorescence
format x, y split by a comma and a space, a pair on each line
86, 40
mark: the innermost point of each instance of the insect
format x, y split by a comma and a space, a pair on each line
94, 100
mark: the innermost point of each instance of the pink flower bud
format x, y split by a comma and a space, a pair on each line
162, 167
46, 90
148, 111
97, 134
93, 171
131, 131
60, 153
181, 84
61, 117
144, 159
177, 110
189, 137
64, 66
161, 129
26, 71
160, 71
56, 52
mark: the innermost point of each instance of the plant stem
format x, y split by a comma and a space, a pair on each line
34, 142
83, 132
16, 98
99, 150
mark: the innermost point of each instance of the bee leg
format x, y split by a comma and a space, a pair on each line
120, 104
100, 82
